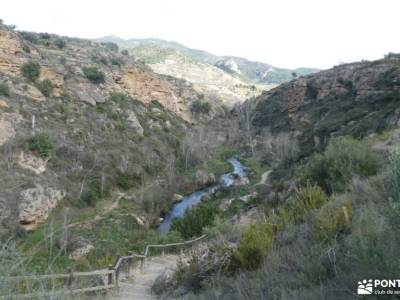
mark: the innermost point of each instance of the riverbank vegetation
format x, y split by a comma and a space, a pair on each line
330, 219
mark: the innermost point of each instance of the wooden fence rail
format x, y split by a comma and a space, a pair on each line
110, 275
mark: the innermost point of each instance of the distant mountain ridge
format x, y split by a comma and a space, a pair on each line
258, 72
200, 55
195, 66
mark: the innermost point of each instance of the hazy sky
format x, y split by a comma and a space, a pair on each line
285, 33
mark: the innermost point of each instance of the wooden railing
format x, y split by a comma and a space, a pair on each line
110, 276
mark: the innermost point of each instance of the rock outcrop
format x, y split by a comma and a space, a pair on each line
134, 123
31, 162
8, 122
204, 178
79, 247
36, 204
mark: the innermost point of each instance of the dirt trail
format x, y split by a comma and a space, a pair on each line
139, 285
264, 177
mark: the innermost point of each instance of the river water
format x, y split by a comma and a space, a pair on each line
179, 209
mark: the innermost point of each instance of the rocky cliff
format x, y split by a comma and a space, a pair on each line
354, 99
64, 65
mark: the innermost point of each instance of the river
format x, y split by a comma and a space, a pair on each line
179, 209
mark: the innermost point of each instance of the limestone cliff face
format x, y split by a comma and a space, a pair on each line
355, 99
63, 67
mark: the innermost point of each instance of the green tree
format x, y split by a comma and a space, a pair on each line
60, 43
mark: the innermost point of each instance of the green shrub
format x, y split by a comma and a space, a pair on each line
194, 221
26, 49
95, 190
103, 60
343, 158
254, 246
332, 219
31, 70
307, 199
4, 89
115, 62
200, 107
44, 35
125, 180
89, 197
94, 75
110, 46
311, 90
45, 87
30, 37
119, 98
42, 144
60, 43
387, 79
125, 52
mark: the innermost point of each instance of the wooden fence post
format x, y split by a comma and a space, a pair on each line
141, 264
70, 279
163, 252
129, 263
117, 267
110, 275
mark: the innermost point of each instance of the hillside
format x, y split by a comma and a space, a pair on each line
239, 80
216, 85
199, 55
80, 123
259, 72
355, 99
96, 149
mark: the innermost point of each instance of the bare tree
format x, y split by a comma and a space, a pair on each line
281, 147
245, 121
8, 150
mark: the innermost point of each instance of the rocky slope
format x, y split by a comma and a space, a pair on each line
353, 99
226, 78
217, 85
259, 72
70, 135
